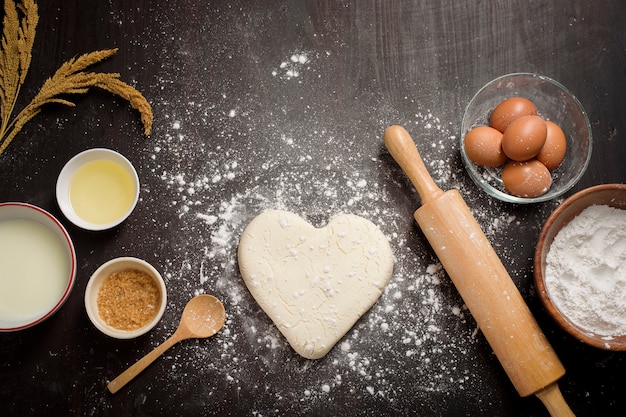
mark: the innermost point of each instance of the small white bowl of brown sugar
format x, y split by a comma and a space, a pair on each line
125, 297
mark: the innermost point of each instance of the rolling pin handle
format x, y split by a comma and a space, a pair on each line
553, 400
402, 147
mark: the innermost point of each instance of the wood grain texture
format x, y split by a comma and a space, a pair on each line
415, 63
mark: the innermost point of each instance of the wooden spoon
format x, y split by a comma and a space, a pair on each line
203, 316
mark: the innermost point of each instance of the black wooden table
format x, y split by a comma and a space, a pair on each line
263, 105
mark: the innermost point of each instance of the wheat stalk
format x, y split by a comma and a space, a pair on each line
20, 21
18, 35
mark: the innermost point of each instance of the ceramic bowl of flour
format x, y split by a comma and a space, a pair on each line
580, 266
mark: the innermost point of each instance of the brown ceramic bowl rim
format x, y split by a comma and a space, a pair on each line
562, 215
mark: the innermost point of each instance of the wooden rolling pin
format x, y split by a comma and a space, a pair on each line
482, 280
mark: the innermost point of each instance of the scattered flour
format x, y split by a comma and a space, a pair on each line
415, 339
293, 67
222, 151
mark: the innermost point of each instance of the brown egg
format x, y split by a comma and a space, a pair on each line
526, 179
483, 145
553, 151
509, 110
524, 138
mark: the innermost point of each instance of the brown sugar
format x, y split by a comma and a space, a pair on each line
128, 299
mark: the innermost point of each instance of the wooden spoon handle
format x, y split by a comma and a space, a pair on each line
134, 370
553, 400
403, 149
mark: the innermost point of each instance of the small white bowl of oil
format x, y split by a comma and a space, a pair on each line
97, 189
37, 265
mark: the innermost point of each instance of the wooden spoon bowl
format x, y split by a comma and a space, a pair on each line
613, 195
203, 316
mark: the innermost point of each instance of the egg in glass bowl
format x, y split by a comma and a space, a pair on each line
509, 141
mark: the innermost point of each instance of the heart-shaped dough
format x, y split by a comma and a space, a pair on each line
314, 283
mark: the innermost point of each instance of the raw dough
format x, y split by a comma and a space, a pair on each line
314, 283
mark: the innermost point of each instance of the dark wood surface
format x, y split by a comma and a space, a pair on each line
263, 105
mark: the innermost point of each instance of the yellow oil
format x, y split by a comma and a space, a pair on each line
101, 191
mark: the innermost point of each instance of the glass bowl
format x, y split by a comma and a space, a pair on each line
554, 102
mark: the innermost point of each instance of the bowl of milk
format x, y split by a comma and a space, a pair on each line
97, 189
37, 265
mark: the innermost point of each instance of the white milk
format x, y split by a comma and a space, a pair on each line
34, 269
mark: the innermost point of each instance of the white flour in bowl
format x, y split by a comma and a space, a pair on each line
586, 270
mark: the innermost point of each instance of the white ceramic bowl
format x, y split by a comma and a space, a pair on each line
109, 196
93, 288
37, 265
555, 103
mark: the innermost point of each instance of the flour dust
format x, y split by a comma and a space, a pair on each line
415, 339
